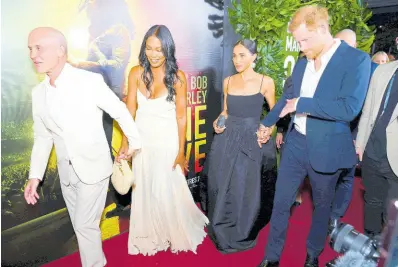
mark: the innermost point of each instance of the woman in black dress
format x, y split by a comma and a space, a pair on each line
235, 158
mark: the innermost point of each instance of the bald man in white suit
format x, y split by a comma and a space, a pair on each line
67, 112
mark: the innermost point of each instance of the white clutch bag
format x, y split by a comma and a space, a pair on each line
122, 177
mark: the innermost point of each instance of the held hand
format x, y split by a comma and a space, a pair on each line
289, 107
279, 140
123, 153
217, 129
30, 192
263, 135
180, 160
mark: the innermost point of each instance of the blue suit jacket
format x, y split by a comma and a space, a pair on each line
337, 101
355, 122
373, 67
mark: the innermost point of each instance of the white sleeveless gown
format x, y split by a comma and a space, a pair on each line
163, 212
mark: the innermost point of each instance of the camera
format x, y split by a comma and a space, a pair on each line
344, 239
359, 250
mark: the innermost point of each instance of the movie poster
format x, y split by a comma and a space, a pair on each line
96, 30
291, 52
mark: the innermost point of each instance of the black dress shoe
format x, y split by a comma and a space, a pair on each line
120, 211
331, 263
296, 204
333, 224
311, 261
266, 263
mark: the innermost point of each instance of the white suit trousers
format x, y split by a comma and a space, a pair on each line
85, 204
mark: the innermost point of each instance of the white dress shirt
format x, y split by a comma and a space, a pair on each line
310, 83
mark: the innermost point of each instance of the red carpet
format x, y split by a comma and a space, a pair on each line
293, 255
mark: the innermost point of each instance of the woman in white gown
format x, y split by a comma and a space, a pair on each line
163, 212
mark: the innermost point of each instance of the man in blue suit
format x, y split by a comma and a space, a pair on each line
329, 88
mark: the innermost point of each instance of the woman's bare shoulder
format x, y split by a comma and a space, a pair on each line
136, 71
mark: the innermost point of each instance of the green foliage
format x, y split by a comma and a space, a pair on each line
14, 158
262, 20
265, 21
13, 180
270, 62
17, 130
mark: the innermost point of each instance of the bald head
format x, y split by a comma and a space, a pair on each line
50, 34
48, 49
348, 36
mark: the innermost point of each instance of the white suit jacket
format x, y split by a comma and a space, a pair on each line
82, 138
378, 85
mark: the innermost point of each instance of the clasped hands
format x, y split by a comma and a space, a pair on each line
125, 152
263, 134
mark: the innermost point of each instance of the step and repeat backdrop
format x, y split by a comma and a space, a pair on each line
34, 235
